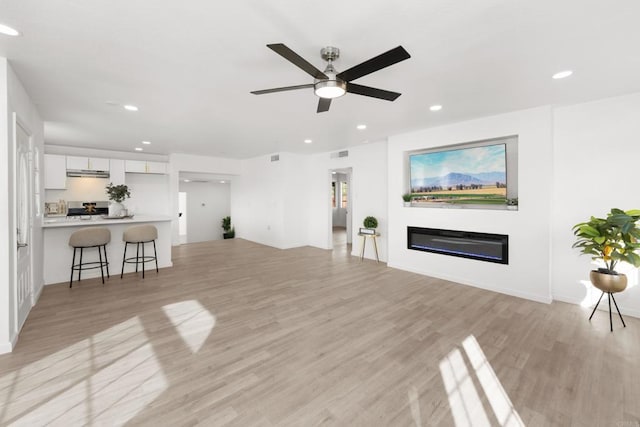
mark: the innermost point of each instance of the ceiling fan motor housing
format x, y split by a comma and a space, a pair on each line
333, 87
330, 53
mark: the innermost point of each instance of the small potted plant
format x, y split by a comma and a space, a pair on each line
229, 232
512, 204
117, 194
370, 222
407, 198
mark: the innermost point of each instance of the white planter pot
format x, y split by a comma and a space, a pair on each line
115, 208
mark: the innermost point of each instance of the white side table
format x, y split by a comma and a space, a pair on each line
364, 243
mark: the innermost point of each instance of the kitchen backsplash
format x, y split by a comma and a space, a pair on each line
149, 192
82, 189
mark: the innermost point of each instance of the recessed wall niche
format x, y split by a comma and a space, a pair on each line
473, 175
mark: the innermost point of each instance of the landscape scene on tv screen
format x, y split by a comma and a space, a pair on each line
476, 175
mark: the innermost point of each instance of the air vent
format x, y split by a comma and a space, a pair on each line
275, 157
344, 153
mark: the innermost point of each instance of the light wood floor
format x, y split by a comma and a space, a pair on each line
241, 334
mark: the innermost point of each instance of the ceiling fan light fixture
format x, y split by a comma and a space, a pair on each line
330, 89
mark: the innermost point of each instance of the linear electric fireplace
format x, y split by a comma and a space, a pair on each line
465, 244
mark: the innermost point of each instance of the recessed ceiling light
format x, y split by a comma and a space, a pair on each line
187, 180
435, 108
131, 108
308, 141
146, 142
8, 31
221, 182
562, 74
361, 127
333, 173
138, 149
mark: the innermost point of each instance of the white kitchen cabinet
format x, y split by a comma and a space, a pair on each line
55, 172
98, 164
141, 166
116, 172
156, 167
135, 166
87, 163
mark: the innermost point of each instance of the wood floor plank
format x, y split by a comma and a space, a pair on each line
240, 334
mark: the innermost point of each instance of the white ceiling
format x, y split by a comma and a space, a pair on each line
190, 66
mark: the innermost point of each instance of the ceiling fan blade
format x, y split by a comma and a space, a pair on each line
374, 64
372, 92
323, 105
281, 89
297, 60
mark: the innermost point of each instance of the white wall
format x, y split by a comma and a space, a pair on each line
207, 204
268, 201
14, 98
596, 155
527, 274
149, 194
368, 195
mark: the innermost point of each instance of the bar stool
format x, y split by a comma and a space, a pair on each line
139, 234
87, 238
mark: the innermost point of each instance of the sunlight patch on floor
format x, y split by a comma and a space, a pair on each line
192, 321
464, 400
111, 377
498, 399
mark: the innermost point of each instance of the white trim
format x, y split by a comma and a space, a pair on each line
511, 292
603, 307
7, 347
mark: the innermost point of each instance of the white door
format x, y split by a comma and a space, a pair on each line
23, 218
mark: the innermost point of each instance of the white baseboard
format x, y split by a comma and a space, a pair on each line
7, 347
603, 305
512, 292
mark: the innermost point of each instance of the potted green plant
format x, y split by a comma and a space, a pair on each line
229, 232
117, 194
370, 222
406, 197
610, 240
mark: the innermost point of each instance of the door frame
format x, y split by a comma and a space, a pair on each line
348, 171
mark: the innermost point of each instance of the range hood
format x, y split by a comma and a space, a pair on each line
87, 173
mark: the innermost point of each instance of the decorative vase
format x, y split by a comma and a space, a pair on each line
608, 282
115, 208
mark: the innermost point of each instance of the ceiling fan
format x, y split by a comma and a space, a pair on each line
330, 84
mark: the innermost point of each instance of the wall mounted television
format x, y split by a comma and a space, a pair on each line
474, 175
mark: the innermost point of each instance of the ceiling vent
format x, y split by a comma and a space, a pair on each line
338, 154
275, 157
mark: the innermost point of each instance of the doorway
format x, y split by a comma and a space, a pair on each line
23, 296
341, 201
182, 216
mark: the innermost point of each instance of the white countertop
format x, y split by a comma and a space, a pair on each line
84, 221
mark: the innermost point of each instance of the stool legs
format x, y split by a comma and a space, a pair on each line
79, 267
72, 264
124, 257
155, 255
140, 259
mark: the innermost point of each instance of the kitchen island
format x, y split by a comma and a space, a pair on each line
58, 254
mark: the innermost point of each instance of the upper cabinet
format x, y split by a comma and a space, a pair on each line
142, 166
87, 163
55, 172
